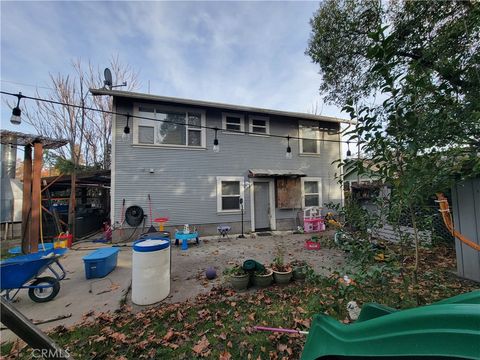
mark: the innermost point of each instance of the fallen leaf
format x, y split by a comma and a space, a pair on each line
201, 345
168, 335
119, 337
225, 355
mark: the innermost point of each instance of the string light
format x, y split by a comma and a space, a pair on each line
16, 118
288, 154
349, 153
126, 130
216, 147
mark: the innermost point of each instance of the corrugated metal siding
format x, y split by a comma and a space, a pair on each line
184, 181
466, 218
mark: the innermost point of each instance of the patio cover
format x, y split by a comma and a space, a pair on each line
275, 173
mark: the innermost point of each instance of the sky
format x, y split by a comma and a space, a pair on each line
244, 53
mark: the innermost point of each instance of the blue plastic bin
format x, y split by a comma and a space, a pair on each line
100, 263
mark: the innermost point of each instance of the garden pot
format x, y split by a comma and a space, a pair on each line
239, 282
263, 280
282, 277
299, 272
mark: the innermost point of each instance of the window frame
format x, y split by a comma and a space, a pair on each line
224, 123
137, 122
262, 118
301, 126
221, 179
318, 180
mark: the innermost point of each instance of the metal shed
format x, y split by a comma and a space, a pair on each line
466, 217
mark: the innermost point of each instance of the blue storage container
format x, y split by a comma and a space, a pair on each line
100, 263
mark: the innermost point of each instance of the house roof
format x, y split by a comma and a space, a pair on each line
211, 104
350, 166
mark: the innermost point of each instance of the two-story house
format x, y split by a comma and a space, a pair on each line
169, 154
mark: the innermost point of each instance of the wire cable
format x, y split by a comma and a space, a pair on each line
164, 121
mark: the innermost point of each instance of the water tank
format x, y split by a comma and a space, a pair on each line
150, 270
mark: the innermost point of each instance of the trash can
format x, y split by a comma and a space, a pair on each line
150, 270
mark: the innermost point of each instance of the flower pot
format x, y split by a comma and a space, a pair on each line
263, 280
239, 282
282, 277
299, 272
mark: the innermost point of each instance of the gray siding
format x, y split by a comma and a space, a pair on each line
184, 181
466, 217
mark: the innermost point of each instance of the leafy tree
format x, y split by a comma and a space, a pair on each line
440, 38
424, 59
401, 138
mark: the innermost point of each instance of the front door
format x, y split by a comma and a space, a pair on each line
261, 205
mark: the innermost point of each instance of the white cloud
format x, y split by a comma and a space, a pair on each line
247, 53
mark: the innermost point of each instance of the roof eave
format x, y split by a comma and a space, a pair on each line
211, 104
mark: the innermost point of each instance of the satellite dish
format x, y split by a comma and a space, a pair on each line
108, 78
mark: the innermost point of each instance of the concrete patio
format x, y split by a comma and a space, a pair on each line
80, 297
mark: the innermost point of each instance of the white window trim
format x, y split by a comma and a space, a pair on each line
319, 181
219, 193
267, 124
300, 143
143, 122
224, 123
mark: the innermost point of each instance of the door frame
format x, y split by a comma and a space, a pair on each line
271, 196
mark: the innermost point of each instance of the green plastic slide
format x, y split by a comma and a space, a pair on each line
447, 329
373, 310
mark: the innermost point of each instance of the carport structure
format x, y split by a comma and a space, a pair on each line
32, 170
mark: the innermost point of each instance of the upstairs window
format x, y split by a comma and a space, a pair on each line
180, 128
233, 122
310, 134
259, 125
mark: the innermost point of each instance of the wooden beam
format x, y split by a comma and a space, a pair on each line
27, 198
36, 194
52, 182
51, 214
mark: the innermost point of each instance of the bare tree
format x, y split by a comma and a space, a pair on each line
88, 131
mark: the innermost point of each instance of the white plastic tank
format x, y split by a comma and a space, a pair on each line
150, 270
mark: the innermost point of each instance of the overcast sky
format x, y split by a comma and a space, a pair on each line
246, 53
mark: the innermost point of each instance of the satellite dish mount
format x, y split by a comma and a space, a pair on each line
107, 83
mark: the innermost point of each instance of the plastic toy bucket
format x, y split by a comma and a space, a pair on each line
63, 241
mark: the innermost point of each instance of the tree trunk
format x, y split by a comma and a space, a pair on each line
417, 243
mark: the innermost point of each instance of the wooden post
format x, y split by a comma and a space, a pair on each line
27, 198
36, 194
72, 203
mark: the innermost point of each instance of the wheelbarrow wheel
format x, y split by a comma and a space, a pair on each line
41, 295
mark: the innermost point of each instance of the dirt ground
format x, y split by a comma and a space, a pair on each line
79, 296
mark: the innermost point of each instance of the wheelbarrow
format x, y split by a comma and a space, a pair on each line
23, 272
